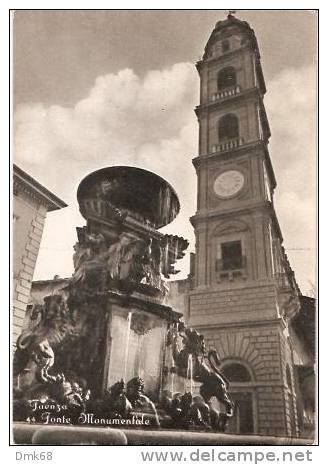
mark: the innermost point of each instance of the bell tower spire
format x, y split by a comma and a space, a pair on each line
243, 284
233, 165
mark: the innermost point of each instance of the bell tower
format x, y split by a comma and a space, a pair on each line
243, 289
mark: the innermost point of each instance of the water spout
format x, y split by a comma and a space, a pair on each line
127, 340
172, 378
139, 353
190, 373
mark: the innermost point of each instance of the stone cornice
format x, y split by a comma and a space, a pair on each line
279, 322
151, 306
235, 98
23, 182
263, 206
253, 284
244, 149
211, 61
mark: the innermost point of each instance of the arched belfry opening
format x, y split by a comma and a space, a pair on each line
226, 78
228, 127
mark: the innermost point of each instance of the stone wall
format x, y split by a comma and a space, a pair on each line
29, 218
259, 349
252, 302
243, 325
178, 296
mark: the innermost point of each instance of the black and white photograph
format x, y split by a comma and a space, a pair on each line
164, 241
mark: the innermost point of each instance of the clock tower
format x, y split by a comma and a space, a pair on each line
243, 291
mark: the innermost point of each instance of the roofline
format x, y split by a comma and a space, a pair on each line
51, 200
48, 281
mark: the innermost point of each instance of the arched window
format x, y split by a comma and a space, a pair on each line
242, 396
227, 78
228, 127
236, 372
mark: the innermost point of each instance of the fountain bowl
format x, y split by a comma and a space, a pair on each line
141, 194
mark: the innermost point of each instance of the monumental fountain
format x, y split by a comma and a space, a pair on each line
105, 349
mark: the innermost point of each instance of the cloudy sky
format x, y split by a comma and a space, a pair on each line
100, 88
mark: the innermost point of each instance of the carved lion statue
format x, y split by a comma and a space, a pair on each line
36, 343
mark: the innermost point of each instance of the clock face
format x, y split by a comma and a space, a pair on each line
228, 183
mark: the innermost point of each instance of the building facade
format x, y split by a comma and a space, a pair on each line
242, 292
31, 203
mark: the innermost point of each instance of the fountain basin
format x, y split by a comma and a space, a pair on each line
142, 194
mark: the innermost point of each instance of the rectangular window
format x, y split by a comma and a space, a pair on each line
231, 253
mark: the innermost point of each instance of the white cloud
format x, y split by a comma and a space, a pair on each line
291, 107
124, 120
149, 122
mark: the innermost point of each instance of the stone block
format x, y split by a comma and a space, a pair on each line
35, 243
265, 395
25, 283
42, 210
277, 389
22, 290
19, 313
37, 230
260, 345
34, 236
29, 269
20, 305
22, 298
75, 435
38, 221
17, 321
16, 333
30, 247
26, 276
31, 255
28, 261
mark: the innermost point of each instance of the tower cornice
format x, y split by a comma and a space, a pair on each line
245, 149
211, 61
267, 207
253, 93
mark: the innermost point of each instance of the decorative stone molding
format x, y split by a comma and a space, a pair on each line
25, 184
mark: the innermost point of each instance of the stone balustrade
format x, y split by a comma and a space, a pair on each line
225, 93
228, 145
